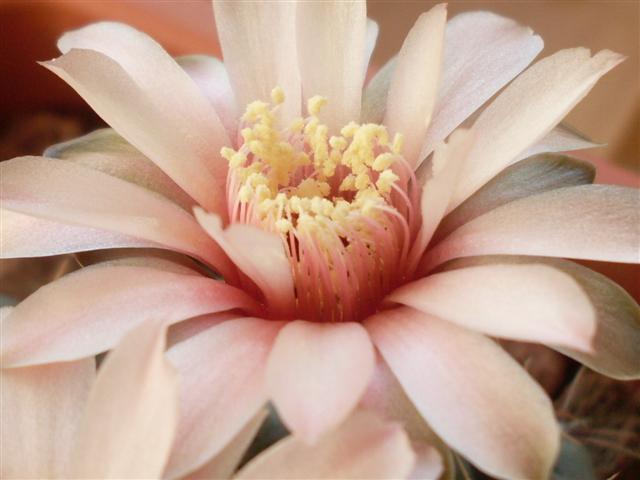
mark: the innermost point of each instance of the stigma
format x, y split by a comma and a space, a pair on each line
341, 203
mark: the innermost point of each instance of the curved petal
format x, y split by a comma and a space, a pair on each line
530, 302
481, 402
108, 152
527, 110
561, 139
364, 447
260, 255
374, 97
415, 82
41, 408
482, 53
616, 345
258, 42
66, 192
594, 222
131, 415
371, 39
331, 43
212, 78
528, 177
88, 311
222, 386
317, 373
27, 236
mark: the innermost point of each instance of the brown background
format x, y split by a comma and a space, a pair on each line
611, 113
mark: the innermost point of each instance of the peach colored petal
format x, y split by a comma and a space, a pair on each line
222, 386
616, 345
594, 222
108, 152
529, 302
186, 329
414, 85
66, 192
27, 236
258, 42
259, 254
527, 110
482, 402
561, 139
482, 53
331, 43
131, 415
374, 96
364, 447
447, 163
317, 373
534, 175
40, 409
212, 78
88, 311
225, 463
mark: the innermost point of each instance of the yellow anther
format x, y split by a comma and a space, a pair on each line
382, 162
283, 225
315, 104
339, 143
297, 125
362, 181
348, 183
277, 96
398, 142
237, 160
227, 153
349, 129
386, 179
245, 193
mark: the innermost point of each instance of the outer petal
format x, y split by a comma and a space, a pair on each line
66, 192
88, 311
616, 345
482, 403
364, 447
108, 152
597, 222
41, 407
561, 139
371, 39
317, 373
132, 411
212, 78
374, 97
414, 86
533, 303
259, 48
130, 81
482, 53
260, 255
331, 52
527, 110
221, 388
534, 175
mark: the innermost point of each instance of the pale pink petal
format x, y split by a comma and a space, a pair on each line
27, 236
222, 386
363, 447
374, 97
472, 393
534, 175
178, 130
260, 255
447, 163
317, 373
616, 345
331, 47
186, 329
414, 86
370, 42
66, 192
258, 42
108, 152
482, 53
41, 408
527, 110
529, 302
592, 222
212, 78
226, 462
561, 139
88, 311
132, 412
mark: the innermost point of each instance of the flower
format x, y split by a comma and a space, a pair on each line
340, 222
67, 422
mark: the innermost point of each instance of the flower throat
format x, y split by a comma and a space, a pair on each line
344, 205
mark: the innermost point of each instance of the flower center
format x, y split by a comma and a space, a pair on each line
344, 205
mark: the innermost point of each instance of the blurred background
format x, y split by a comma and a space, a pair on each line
33, 98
